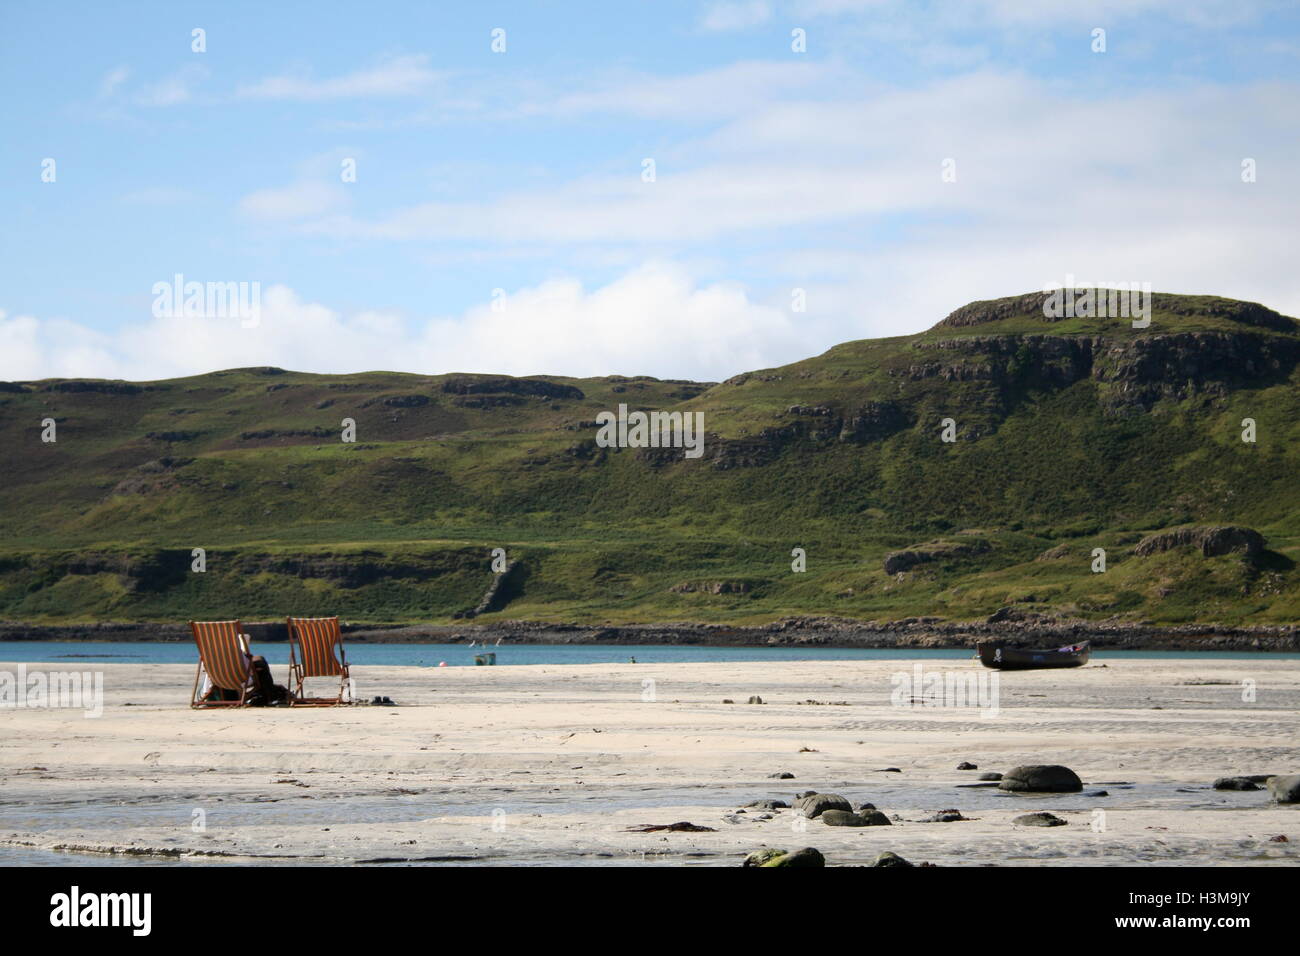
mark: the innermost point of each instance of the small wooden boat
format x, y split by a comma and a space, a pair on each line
1005, 657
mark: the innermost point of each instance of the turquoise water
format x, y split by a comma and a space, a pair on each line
461, 655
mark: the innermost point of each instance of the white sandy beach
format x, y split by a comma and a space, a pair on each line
553, 764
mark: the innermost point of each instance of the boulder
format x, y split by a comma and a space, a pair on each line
767, 805
1041, 778
1040, 819
806, 856
815, 804
1235, 783
890, 858
782, 775
842, 818
1285, 789
761, 857
874, 818
967, 765
945, 816
990, 776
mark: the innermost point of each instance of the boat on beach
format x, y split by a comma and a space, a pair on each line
1006, 657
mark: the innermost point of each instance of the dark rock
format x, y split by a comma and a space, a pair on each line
1041, 778
783, 775
1097, 793
946, 816
990, 776
532, 387
1235, 783
807, 856
866, 806
815, 804
1285, 789
967, 765
767, 805
755, 699
890, 858
1040, 819
874, 818
842, 818
762, 857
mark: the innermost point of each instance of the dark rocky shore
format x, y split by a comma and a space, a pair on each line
791, 632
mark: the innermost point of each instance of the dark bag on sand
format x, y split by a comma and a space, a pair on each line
265, 690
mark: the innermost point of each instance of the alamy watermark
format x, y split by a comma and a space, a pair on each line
53, 689
179, 299
1103, 300
961, 689
652, 430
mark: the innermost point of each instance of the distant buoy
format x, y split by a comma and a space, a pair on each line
442, 663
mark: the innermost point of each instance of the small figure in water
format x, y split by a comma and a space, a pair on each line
631, 660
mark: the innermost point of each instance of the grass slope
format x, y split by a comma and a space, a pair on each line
1072, 435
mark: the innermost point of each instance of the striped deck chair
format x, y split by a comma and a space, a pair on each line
224, 660
312, 644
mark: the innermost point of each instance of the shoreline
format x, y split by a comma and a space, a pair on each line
917, 633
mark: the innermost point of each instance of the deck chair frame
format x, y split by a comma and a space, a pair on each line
325, 633
224, 669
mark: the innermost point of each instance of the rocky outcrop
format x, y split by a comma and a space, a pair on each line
897, 561
1031, 305
407, 401
713, 587
1210, 541
532, 387
498, 593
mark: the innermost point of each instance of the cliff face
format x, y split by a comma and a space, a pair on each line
1069, 435
1139, 370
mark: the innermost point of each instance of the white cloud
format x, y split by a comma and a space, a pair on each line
967, 13
112, 80
1027, 157
736, 14
396, 76
723, 92
296, 201
174, 89
653, 320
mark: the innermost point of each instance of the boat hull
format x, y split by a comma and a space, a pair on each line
1006, 658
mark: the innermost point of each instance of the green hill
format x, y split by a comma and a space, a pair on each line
1072, 435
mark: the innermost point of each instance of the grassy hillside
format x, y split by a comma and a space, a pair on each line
1072, 435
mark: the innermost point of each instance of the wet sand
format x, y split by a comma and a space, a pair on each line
553, 764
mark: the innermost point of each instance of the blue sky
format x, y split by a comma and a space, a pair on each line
521, 171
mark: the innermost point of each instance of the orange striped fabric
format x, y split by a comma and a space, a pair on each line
222, 653
316, 638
